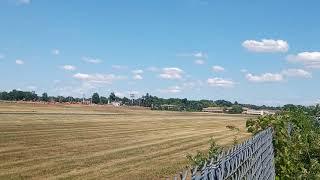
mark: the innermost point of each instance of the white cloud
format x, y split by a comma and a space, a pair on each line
266, 77
217, 68
200, 55
137, 71
220, 82
91, 60
24, 2
266, 45
173, 89
137, 74
74, 90
69, 67
296, 73
195, 55
171, 73
97, 78
137, 77
199, 61
19, 62
309, 59
55, 51
119, 67
243, 70
119, 94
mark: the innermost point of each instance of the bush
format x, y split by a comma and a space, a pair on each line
201, 157
296, 142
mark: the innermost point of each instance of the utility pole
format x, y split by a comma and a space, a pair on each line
132, 97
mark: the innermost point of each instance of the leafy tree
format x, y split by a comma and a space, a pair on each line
201, 157
95, 98
112, 97
296, 142
45, 97
103, 100
236, 109
223, 103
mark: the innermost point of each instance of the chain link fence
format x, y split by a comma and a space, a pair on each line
252, 159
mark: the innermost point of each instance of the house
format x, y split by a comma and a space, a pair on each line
213, 109
169, 107
116, 104
258, 112
254, 112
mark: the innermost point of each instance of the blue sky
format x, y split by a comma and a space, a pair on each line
253, 52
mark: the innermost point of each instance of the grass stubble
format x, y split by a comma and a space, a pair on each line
103, 142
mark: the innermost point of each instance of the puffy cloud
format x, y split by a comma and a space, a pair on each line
199, 55
171, 73
309, 59
91, 60
19, 62
137, 74
217, 68
69, 67
137, 77
119, 67
296, 73
137, 71
55, 51
220, 82
173, 89
195, 55
97, 78
266, 77
266, 45
199, 61
243, 70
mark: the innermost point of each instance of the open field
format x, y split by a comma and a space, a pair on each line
82, 142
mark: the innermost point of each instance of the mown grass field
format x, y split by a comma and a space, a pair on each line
82, 142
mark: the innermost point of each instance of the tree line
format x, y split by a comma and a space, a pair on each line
147, 100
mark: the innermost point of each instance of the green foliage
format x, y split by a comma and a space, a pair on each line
112, 97
45, 97
95, 98
236, 109
103, 100
200, 158
296, 142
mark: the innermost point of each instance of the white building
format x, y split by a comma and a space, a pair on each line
116, 104
258, 112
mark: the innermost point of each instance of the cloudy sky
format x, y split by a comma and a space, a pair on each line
253, 52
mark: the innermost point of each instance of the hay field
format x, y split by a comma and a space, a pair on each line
82, 142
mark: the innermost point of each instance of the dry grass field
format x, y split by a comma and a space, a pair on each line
83, 142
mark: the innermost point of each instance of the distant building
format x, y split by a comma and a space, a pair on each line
116, 104
213, 109
168, 106
258, 112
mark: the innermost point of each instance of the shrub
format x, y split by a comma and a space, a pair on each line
201, 157
296, 142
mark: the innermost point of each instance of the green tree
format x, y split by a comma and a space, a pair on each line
236, 109
112, 97
296, 142
95, 98
45, 97
103, 100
